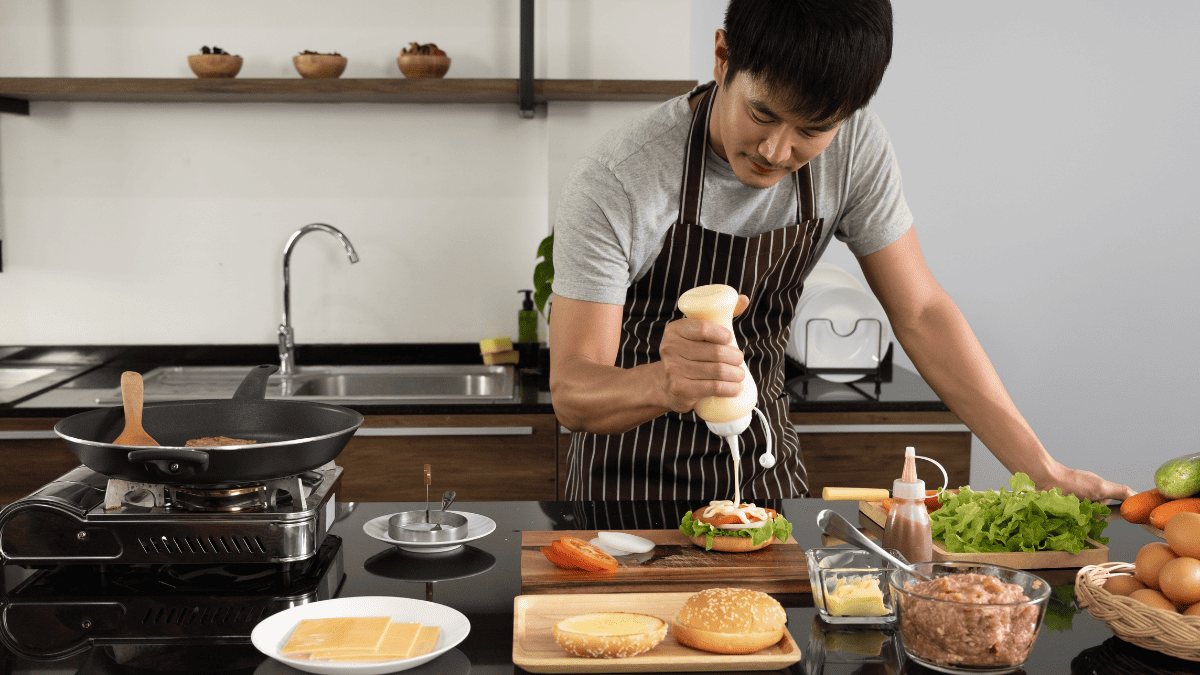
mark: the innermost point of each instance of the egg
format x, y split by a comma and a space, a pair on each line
1194, 610
1179, 580
1152, 598
1123, 584
1150, 560
1183, 534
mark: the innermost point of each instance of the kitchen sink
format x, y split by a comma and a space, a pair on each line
19, 381
420, 384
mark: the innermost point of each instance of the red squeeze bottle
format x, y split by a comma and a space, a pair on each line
907, 528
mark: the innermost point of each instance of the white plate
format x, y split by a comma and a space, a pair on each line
453, 662
272, 633
828, 274
846, 342
477, 526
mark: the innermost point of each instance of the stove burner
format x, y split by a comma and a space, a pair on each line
221, 500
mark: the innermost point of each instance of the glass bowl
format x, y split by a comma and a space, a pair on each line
861, 572
970, 618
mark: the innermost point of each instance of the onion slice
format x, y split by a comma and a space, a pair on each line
626, 542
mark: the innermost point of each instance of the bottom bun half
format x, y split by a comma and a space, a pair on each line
609, 635
733, 544
725, 643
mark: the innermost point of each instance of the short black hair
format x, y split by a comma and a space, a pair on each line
824, 58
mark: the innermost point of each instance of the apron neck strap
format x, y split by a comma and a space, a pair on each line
691, 193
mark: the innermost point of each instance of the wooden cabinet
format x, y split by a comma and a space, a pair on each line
480, 457
867, 449
32, 456
523, 457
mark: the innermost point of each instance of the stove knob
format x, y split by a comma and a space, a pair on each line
81, 535
85, 624
173, 468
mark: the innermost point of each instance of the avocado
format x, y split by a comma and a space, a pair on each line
1179, 477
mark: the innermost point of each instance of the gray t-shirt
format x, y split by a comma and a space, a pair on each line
622, 197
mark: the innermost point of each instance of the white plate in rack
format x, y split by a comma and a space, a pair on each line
828, 274
272, 633
477, 527
846, 343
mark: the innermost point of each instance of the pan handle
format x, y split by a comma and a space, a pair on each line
174, 462
254, 386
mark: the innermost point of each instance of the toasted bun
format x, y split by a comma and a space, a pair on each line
729, 621
732, 544
609, 635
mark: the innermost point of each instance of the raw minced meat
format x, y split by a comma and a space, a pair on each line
971, 626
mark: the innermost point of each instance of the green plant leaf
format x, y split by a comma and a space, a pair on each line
543, 274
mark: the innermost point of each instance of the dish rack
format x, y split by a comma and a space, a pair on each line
877, 374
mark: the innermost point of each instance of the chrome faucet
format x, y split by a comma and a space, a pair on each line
287, 341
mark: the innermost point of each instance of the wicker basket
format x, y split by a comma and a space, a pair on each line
1130, 620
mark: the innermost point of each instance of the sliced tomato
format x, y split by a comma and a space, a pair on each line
583, 555
558, 560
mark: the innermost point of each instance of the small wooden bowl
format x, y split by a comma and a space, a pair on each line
423, 65
215, 65
319, 66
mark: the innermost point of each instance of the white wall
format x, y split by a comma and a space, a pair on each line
1049, 157
165, 223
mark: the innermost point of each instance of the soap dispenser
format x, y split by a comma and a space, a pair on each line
527, 321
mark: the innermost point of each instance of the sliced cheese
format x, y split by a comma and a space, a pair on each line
342, 634
397, 643
427, 639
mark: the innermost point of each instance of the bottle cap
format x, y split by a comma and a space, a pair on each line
908, 486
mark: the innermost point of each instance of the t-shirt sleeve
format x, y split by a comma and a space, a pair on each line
591, 236
876, 213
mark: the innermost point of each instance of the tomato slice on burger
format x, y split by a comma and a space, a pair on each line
583, 555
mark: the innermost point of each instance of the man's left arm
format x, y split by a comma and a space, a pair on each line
942, 346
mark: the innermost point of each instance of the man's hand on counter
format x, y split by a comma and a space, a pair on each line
1085, 485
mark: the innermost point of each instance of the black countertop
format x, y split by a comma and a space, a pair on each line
100, 367
486, 598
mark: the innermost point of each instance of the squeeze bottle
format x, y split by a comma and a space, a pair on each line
716, 303
726, 416
907, 527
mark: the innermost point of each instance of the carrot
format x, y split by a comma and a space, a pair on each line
1137, 508
558, 560
1161, 514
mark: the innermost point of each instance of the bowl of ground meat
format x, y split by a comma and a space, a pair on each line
969, 617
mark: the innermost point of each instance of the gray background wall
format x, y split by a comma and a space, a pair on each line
1049, 154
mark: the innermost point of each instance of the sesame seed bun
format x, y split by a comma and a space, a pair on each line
729, 621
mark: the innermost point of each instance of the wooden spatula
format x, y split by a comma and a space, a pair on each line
131, 397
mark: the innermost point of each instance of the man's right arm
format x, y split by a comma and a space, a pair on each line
590, 393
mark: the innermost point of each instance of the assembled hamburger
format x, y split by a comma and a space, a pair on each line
721, 526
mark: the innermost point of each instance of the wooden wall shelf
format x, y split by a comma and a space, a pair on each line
17, 92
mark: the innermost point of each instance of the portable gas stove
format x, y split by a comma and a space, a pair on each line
86, 518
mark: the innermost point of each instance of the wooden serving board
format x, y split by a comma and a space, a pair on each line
675, 564
872, 516
535, 650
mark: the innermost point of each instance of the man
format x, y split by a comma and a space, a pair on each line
744, 182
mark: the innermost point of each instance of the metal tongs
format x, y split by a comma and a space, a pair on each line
834, 525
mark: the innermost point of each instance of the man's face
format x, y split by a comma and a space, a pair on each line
752, 130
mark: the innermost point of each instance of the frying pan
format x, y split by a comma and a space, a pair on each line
291, 437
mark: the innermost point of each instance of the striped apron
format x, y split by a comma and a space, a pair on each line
675, 456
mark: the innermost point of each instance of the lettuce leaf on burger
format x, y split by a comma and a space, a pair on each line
734, 530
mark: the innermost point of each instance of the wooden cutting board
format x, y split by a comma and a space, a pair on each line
872, 516
675, 564
535, 650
